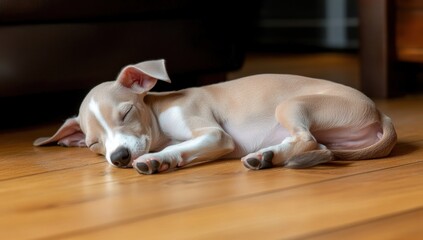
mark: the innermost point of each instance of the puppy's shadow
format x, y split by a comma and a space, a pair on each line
404, 148
333, 164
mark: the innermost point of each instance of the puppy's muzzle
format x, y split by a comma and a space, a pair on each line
121, 157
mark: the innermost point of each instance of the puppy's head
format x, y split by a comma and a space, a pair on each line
113, 119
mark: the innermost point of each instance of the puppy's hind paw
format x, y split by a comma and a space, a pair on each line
258, 161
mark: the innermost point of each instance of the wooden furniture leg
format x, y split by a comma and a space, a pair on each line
377, 46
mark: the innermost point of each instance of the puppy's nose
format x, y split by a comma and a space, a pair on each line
121, 157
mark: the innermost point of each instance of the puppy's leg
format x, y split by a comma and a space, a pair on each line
301, 150
208, 144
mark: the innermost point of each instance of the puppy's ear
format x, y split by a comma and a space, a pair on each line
69, 135
143, 76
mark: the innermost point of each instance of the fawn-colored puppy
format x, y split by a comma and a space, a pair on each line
267, 120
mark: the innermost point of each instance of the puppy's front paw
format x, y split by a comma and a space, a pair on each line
151, 166
154, 163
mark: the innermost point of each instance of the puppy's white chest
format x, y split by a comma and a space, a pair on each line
173, 124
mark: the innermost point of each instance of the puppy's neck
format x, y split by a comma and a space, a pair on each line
158, 139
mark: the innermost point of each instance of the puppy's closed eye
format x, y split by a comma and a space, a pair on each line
92, 144
125, 112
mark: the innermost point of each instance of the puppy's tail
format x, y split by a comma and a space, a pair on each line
380, 149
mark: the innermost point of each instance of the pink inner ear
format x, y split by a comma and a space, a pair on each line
128, 78
135, 79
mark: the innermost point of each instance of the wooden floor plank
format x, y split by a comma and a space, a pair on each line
341, 68
19, 158
101, 186
404, 225
298, 212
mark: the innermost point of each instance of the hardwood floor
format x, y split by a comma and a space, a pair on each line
341, 68
71, 193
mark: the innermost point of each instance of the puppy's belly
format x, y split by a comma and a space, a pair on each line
252, 137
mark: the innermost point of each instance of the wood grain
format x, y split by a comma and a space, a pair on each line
402, 225
287, 213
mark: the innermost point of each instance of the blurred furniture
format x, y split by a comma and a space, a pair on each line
61, 44
391, 46
304, 25
52, 47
